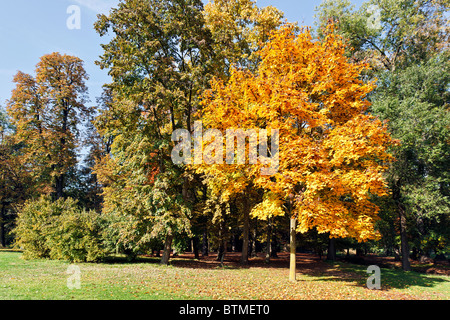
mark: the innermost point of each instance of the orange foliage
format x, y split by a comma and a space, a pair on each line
332, 152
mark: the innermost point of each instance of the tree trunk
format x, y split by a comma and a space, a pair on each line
195, 242
59, 186
397, 255
293, 261
274, 246
245, 235
222, 247
331, 254
205, 243
359, 252
60, 179
2, 227
221, 253
167, 248
233, 242
254, 236
268, 242
406, 266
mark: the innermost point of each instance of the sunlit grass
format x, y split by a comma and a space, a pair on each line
146, 279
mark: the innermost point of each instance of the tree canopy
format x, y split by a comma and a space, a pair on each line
223, 124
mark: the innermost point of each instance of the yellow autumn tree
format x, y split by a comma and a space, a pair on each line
332, 152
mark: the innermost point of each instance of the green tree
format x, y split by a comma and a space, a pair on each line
415, 101
158, 59
390, 34
408, 52
239, 29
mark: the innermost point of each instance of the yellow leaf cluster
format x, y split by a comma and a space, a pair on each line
332, 152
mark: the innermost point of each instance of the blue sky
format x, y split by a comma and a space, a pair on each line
29, 29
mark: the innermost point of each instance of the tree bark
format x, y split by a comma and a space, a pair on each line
268, 241
167, 248
222, 245
245, 235
293, 261
331, 252
234, 238
60, 179
59, 186
254, 237
205, 242
221, 253
195, 242
406, 266
274, 246
221, 249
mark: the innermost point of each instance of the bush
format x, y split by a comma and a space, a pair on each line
33, 224
59, 230
76, 236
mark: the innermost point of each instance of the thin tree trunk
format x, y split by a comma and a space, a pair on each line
406, 266
268, 241
293, 261
245, 235
221, 251
254, 236
233, 242
397, 254
167, 248
60, 179
205, 242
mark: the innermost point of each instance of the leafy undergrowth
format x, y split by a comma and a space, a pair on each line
186, 278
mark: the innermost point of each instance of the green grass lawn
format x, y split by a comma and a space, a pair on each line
146, 279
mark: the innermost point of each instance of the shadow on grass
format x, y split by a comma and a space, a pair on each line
123, 259
307, 264
231, 261
390, 278
311, 265
403, 279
